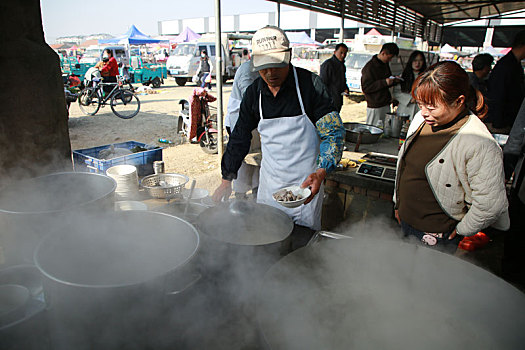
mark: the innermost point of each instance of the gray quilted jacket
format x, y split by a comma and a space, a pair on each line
467, 178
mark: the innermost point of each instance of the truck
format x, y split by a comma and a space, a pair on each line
184, 60
147, 73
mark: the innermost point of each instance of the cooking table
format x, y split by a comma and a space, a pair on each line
356, 198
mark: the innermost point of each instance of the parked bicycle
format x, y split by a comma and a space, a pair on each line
122, 100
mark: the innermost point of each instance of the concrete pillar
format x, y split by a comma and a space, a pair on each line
488, 37
34, 135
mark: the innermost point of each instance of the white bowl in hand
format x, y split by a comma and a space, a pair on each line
303, 193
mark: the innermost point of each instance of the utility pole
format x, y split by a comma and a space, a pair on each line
218, 76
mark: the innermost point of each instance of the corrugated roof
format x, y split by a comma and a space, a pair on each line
422, 18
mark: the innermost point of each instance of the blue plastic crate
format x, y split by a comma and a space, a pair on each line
87, 159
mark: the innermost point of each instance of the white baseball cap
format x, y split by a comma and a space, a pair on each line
270, 48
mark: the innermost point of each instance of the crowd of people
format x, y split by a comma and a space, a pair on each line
452, 175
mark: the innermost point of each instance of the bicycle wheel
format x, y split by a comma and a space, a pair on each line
89, 101
209, 143
125, 104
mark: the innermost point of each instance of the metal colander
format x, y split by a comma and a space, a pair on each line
164, 185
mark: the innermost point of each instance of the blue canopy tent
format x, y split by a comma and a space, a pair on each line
132, 37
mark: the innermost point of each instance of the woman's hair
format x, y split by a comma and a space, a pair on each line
408, 72
444, 82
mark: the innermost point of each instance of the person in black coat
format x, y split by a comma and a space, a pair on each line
506, 88
333, 75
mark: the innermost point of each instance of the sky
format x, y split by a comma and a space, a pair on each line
66, 17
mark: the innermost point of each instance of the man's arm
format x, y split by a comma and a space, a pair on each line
240, 138
331, 132
325, 72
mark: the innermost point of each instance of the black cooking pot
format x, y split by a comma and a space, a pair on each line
105, 285
240, 241
236, 228
372, 294
31, 208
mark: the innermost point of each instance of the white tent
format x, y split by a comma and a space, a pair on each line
492, 51
448, 49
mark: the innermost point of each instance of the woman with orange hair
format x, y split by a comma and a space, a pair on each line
450, 180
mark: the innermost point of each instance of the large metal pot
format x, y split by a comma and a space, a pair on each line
369, 133
241, 240
34, 207
371, 294
105, 286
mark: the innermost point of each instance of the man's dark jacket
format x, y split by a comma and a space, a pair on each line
333, 76
373, 83
506, 91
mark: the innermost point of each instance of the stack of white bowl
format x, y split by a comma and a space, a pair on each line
126, 178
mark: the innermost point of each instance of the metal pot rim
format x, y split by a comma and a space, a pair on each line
122, 285
114, 186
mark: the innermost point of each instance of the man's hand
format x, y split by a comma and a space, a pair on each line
389, 81
223, 191
452, 235
314, 180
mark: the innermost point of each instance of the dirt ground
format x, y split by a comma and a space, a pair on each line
157, 119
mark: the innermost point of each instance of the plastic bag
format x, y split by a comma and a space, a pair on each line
195, 79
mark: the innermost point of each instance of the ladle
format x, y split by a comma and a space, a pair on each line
189, 197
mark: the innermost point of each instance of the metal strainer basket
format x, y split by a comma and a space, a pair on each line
164, 185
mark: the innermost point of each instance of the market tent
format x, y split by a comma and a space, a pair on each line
186, 35
505, 51
448, 49
301, 38
373, 31
492, 51
132, 37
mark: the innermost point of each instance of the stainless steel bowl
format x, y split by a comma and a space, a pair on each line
164, 185
370, 133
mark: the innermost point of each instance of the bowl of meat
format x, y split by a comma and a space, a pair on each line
292, 196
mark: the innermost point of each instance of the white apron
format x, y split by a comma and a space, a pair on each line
290, 147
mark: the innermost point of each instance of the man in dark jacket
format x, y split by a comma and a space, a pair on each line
481, 67
506, 88
513, 262
376, 80
333, 75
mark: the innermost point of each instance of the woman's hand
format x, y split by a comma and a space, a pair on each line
314, 180
223, 191
452, 235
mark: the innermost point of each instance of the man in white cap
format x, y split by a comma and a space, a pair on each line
302, 134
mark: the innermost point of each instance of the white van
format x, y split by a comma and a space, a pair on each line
183, 62
120, 53
355, 61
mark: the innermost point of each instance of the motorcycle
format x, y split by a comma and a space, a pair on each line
207, 133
